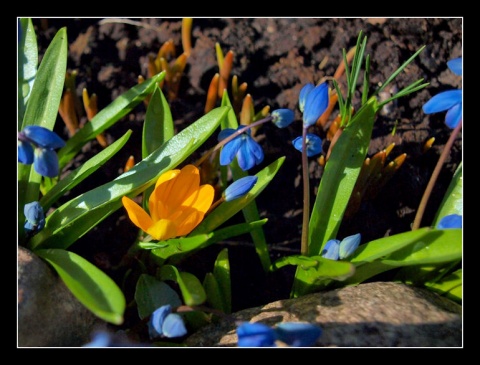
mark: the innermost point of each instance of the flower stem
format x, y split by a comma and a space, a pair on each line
433, 179
306, 195
230, 137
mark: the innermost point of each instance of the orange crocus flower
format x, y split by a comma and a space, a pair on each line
177, 204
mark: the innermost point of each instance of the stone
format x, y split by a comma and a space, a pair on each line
377, 314
49, 315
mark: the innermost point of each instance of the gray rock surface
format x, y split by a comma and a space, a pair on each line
379, 314
48, 313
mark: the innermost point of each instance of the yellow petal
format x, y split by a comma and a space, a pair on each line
204, 199
189, 221
186, 185
163, 188
163, 229
136, 214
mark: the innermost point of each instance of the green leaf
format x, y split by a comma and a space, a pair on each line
221, 271
76, 217
91, 286
191, 288
226, 210
151, 294
42, 110
313, 270
452, 202
81, 173
450, 286
27, 65
339, 177
213, 292
106, 117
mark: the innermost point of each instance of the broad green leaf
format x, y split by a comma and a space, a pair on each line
313, 270
406, 249
91, 286
118, 108
151, 294
178, 248
228, 209
27, 64
191, 288
452, 202
213, 292
451, 286
158, 127
77, 216
42, 110
221, 271
339, 177
79, 174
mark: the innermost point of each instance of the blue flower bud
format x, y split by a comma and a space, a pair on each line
165, 323
450, 221
331, 249
283, 117
240, 187
35, 217
349, 245
315, 105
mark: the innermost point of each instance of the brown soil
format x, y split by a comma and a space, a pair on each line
275, 57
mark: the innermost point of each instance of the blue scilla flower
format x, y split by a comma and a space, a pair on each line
339, 250
35, 217
313, 143
283, 117
240, 187
295, 334
313, 101
450, 221
249, 153
36, 145
165, 323
450, 100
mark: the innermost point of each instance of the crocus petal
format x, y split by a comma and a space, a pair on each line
255, 335
240, 187
25, 152
302, 97
184, 186
298, 334
450, 221
204, 198
136, 214
453, 116
155, 324
443, 101
283, 117
43, 137
349, 245
331, 249
163, 229
316, 104
46, 162
173, 326
163, 188
228, 152
455, 65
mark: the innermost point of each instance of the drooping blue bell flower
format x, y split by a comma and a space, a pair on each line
313, 101
313, 144
165, 323
450, 100
298, 334
248, 152
37, 145
240, 187
255, 335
